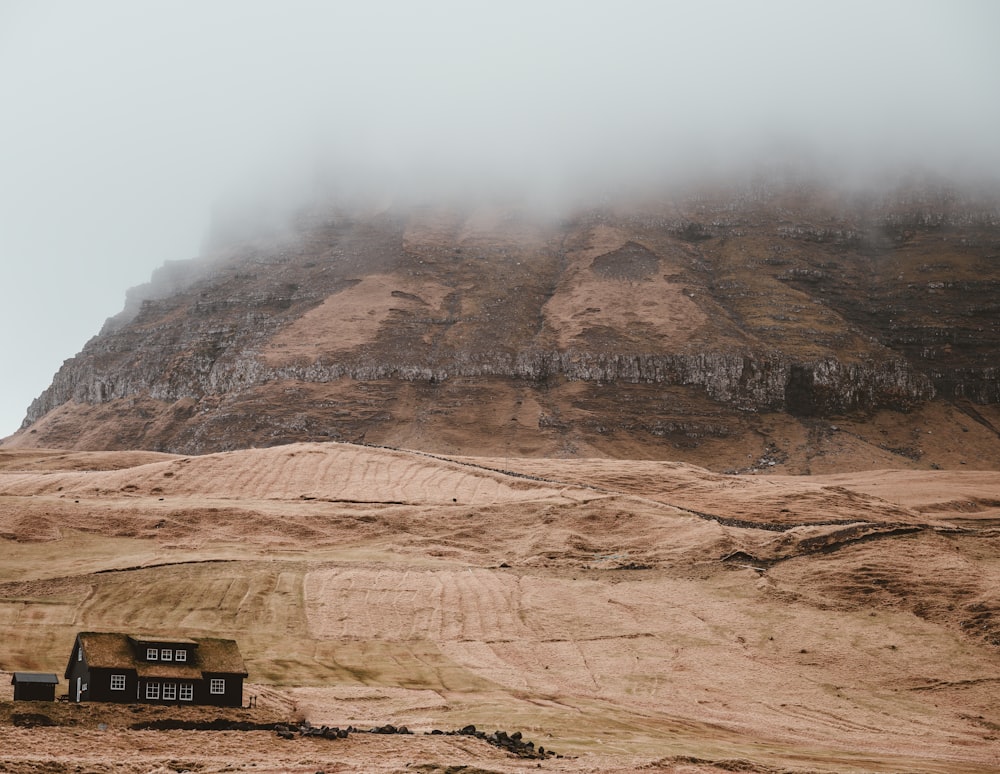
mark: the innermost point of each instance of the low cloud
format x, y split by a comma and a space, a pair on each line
125, 123
183, 102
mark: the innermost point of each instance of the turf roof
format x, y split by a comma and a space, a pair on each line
112, 650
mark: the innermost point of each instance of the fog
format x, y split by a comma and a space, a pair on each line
124, 123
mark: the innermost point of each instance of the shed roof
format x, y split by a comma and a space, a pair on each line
46, 678
112, 650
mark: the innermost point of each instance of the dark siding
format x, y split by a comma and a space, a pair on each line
100, 686
34, 692
233, 697
201, 690
77, 669
177, 685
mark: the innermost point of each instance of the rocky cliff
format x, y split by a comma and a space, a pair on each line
733, 329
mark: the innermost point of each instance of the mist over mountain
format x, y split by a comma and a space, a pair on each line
781, 324
128, 125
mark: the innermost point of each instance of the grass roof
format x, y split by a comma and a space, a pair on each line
112, 650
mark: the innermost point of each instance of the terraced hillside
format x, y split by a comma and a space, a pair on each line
625, 614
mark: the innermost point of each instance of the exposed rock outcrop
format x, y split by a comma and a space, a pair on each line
676, 323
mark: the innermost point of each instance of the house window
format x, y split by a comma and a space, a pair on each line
166, 654
187, 691
169, 691
79, 654
117, 682
151, 654
181, 655
218, 685
152, 690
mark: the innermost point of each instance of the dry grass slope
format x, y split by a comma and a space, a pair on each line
629, 614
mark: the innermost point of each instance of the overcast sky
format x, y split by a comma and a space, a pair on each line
121, 123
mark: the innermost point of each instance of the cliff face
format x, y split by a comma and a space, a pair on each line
694, 328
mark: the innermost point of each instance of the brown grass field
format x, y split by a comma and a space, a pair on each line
630, 615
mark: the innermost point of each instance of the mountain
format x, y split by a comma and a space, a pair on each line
793, 328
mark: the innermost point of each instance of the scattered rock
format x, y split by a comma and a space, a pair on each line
305, 728
31, 719
513, 743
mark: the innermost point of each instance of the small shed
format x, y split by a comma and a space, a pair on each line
34, 686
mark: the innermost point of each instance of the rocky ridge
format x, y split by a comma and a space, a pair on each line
661, 327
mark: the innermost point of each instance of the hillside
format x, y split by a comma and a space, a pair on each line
792, 329
626, 614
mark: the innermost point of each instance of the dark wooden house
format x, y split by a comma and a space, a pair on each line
34, 686
155, 669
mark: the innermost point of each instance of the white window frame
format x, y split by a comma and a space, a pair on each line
187, 692
180, 655
166, 654
152, 654
117, 682
217, 686
170, 691
152, 690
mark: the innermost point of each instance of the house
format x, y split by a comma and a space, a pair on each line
34, 686
155, 669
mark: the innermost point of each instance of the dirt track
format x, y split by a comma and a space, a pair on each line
627, 614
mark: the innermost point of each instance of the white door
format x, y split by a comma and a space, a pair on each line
79, 689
